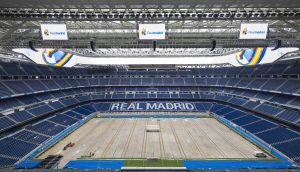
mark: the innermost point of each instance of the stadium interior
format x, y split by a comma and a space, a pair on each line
132, 85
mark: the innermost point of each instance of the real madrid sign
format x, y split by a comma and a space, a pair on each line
254, 31
152, 106
54, 32
152, 31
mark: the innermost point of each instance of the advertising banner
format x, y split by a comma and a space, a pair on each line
254, 31
247, 57
49, 56
152, 31
54, 32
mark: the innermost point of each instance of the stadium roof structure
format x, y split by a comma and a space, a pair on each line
142, 4
113, 25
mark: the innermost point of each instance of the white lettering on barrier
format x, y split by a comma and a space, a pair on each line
177, 106
115, 106
123, 106
161, 106
169, 106
131, 106
138, 107
151, 106
189, 106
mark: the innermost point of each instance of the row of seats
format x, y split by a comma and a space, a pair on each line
21, 87
13, 69
25, 100
19, 117
21, 100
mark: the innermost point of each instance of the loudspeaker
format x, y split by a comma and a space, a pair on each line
93, 46
213, 45
278, 45
154, 45
30, 43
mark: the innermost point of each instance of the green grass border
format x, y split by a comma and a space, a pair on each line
158, 163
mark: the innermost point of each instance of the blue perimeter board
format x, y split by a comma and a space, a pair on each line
153, 116
95, 164
235, 164
189, 164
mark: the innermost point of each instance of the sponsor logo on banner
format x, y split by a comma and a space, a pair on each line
253, 31
152, 31
54, 32
252, 56
56, 57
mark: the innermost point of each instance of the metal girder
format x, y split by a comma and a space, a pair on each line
145, 52
11, 30
293, 25
117, 28
143, 4
123, 43
148, 14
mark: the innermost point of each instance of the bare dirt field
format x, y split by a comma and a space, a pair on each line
179, 138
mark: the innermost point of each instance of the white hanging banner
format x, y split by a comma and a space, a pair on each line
152, 31
54, 32
254, 30
247, 57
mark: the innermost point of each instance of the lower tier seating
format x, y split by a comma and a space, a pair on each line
24, 141
20, 143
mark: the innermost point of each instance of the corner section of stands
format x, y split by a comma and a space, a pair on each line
18, 144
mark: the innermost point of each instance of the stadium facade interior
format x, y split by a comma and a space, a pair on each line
160, 85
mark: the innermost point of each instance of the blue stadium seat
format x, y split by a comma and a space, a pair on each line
21, 116
7, 162
40, 110
259, 126
289, 115
278, 135
29, 136
290, 86
74, 115
12, 69
245, 120
268, 109
257, 83
291, 149
81, 111
69, 101
9, 103
5, 123
13, 148
63, 120
47, 128
18, 87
